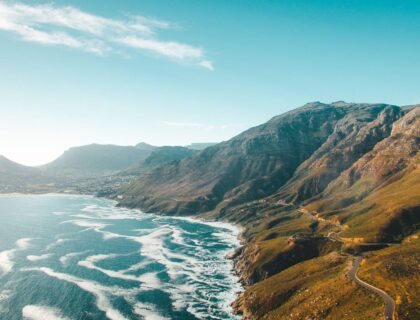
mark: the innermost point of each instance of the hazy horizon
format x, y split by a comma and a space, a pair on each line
65, 148
77, 72
105, 143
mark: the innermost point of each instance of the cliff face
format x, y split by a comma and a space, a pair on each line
388, 157
353, 136
381, 189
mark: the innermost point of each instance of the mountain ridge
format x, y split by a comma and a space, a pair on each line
313, 186
264, 141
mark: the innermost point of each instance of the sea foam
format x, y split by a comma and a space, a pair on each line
35, 258
6, 257
37, 312
68, 256
100, 292
185, 263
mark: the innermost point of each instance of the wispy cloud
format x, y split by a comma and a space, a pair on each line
202, 125
68, 26
182, 124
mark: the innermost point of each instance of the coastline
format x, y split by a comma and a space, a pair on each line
58, 194
212, 276
233, 255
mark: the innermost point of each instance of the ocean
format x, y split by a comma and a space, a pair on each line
81, 257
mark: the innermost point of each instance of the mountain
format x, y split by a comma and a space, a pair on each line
200, 145
167, 154
96, 160
382, 186
251, 165
159, 156
90, 169
145, 146
108, 186
353, 136
312, 188
14, 174
353, 192
8, 166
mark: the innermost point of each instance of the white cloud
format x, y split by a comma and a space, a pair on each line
207, 64
71, 27
170, 49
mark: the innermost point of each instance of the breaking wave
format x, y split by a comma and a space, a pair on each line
36, 312
133, 265
6, 257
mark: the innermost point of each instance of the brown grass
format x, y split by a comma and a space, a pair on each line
397, 271
314, 289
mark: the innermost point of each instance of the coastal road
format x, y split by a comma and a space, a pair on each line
334, 236
389, 302
389, 313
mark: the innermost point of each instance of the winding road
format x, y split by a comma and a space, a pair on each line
389, 302
389, 312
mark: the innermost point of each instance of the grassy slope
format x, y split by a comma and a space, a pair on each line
393, 209
387, 214
397, 271
314, 289
289, 242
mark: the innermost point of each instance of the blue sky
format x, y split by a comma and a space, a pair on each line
174, 72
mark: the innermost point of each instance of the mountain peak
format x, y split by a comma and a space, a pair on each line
341, 103
314, 104
144, 146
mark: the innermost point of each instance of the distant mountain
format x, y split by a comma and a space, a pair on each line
159, 156
10, 167
200, 145
410, 107
145, 146
166, 154
89, 169
96, 160
14, 174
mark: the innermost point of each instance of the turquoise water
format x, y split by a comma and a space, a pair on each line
79, 257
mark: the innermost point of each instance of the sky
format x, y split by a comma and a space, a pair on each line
173, 72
